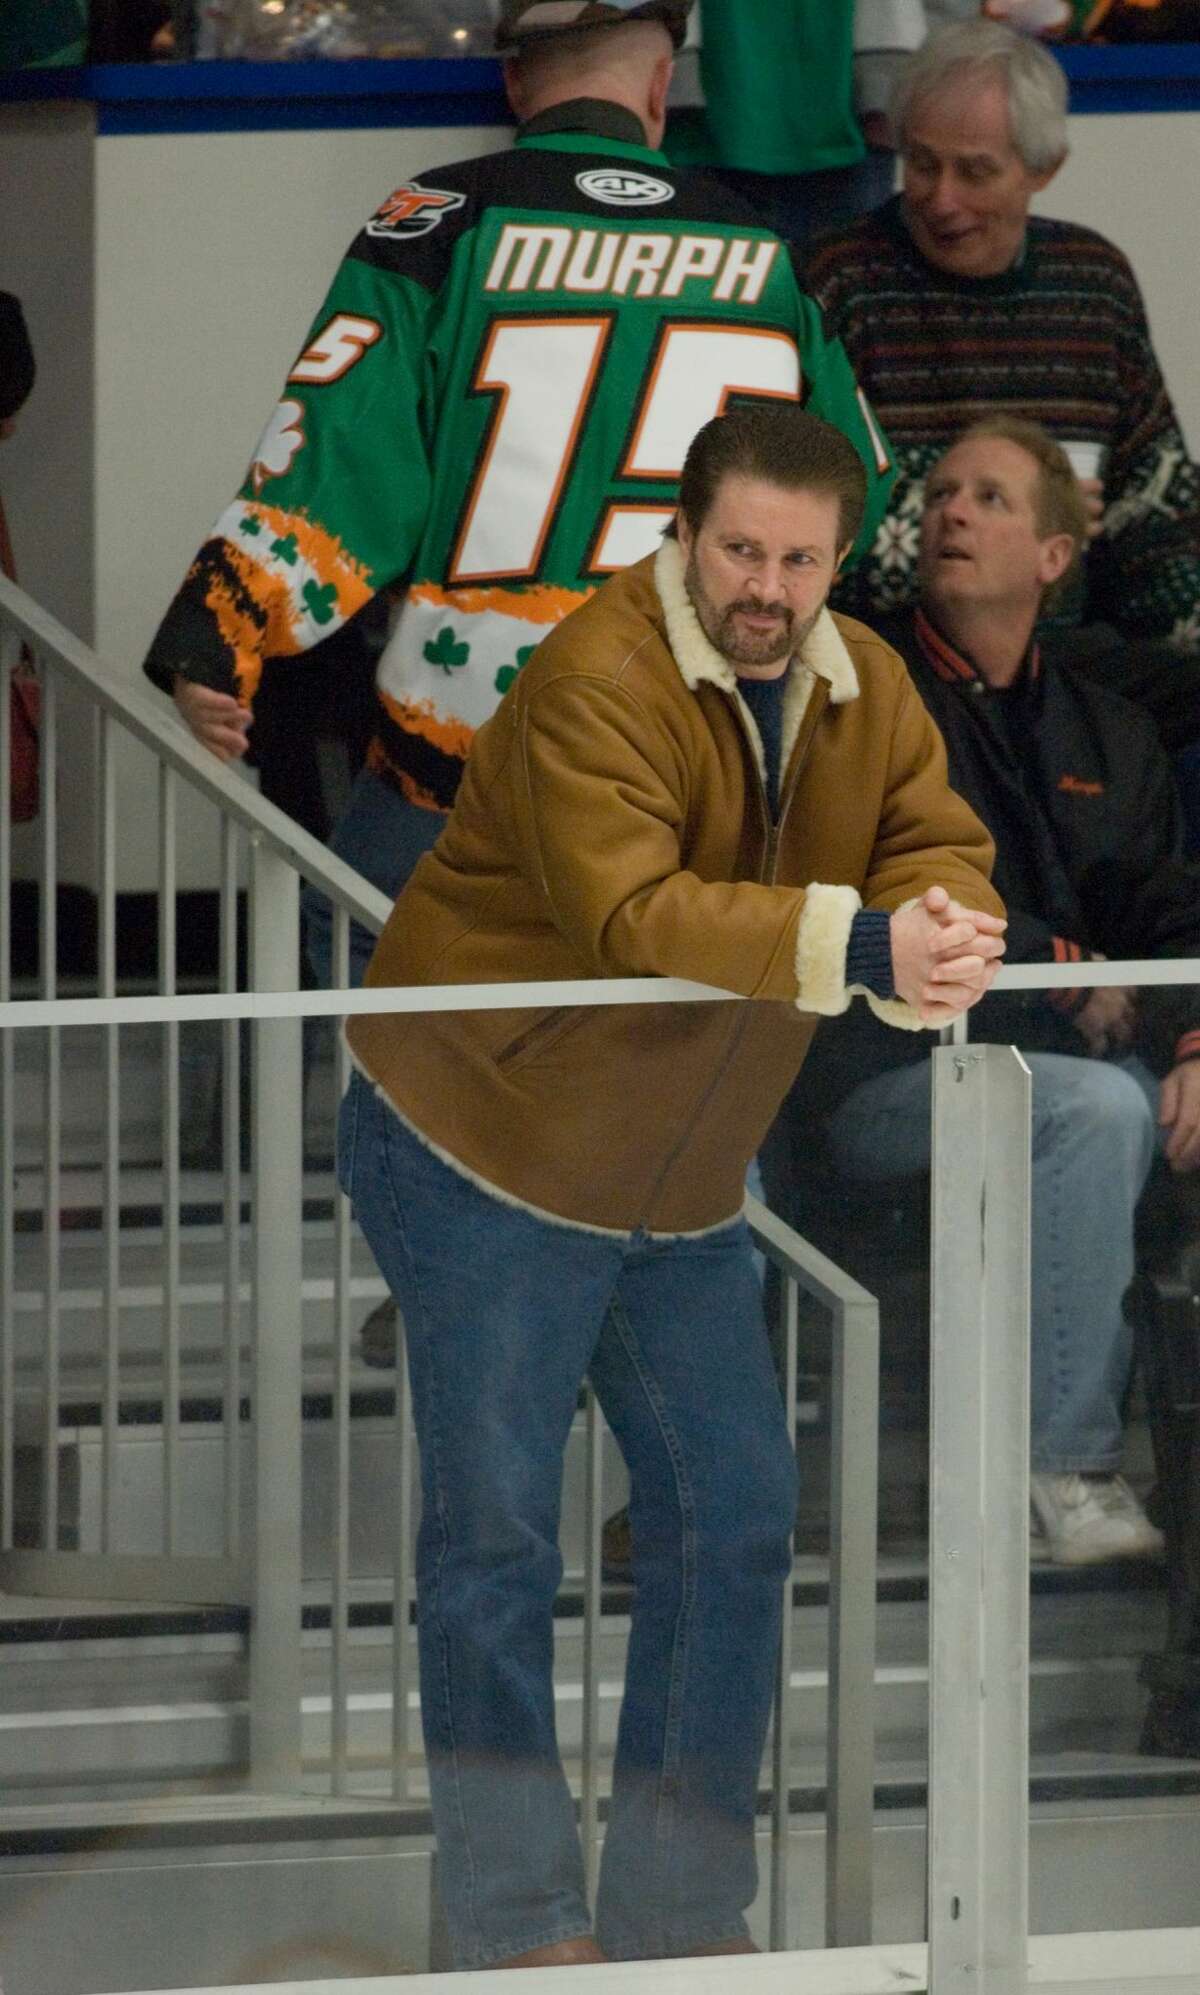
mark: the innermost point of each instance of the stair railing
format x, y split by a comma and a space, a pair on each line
262, 1264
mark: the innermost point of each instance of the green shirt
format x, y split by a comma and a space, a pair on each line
778, 87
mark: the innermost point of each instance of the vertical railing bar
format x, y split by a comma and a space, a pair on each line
231, 1162
781, 1752
111, 1139
593, 1522
853, 1556
167, 873
402, 1573
339, 1608
9, 653
978, 1839
52, 1141
275, 1141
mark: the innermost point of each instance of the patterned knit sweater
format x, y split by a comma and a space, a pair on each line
1061, 337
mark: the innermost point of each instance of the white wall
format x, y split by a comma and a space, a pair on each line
1137, 180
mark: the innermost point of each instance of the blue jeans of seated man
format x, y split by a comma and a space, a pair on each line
382, 836
505, 1314
1094, 1130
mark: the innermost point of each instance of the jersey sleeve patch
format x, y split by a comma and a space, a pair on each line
413, 210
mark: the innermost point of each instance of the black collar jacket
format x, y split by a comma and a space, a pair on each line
1078, 794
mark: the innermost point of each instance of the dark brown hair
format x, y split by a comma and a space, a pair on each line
782, 444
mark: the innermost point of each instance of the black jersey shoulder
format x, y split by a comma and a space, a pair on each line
417, 229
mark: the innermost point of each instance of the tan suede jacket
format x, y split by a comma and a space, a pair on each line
613, 822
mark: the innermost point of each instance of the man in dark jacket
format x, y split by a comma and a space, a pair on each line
1077, 792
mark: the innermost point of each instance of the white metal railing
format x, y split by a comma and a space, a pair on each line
263, 1267
979, 1658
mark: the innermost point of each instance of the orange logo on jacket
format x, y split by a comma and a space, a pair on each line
1076, 786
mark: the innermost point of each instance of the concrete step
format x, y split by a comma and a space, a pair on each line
264, 1890
102, 1699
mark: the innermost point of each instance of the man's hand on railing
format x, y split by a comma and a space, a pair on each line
944, 956
218, 722
1179, 1113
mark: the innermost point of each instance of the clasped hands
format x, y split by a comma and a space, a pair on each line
944, 956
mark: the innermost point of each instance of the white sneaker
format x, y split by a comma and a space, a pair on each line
1087, 1519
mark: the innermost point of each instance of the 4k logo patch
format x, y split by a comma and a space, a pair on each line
413, 210
619, 187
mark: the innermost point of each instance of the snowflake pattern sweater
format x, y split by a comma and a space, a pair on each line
1061, 337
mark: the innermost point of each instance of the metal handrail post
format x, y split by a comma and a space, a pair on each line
276, 1140
781, 1754
979, 1524
850, 1802
853, 1547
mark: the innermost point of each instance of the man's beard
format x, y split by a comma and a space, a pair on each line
765, 647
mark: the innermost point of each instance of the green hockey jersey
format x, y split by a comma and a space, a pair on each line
490, 416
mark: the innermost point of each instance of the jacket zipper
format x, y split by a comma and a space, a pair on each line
766, 877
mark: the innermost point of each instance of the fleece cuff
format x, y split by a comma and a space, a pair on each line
894, 1011
822, 940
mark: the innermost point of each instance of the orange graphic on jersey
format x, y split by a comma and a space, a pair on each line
413, 792
543, 604
264, 613
409, 201
420, 717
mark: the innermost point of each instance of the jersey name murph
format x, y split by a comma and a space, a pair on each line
490, 415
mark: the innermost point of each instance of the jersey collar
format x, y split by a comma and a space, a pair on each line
590, 124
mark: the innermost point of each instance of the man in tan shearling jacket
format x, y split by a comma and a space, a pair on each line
701, 773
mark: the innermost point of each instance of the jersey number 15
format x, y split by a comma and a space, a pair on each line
544, 374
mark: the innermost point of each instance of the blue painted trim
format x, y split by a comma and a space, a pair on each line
257, 82
1162, 76
134, 98
1132, 61
294, 96
303, 114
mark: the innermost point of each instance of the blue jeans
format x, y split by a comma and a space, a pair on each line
1094, 1130
505, 1314
382, 836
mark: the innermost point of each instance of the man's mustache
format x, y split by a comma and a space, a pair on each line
759, 610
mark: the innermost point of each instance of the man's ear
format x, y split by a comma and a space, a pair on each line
684, 534
660, 84
1041, 180
1057, 554
841, 561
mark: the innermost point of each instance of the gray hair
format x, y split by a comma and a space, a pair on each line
1034, 85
